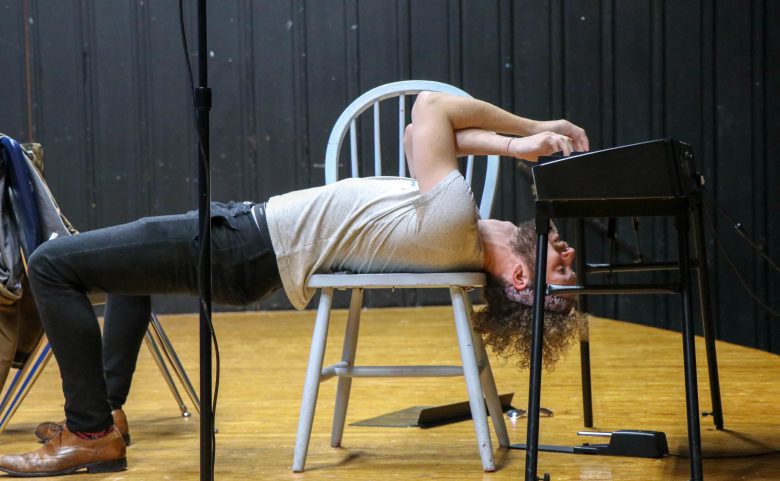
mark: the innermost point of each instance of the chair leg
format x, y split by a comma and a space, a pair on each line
471, 373
347, 356
10, 388
167, 349
154, 349
311, 385
488, 383
27, 376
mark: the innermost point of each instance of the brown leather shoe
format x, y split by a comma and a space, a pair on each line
66, 453
48, 430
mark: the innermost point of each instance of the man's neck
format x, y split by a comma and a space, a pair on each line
500, 258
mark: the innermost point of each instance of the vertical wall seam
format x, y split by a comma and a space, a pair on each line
27, 71
765, 144
301, 94
612, 61
758, 154
455, 50
86, 38
248, 105
602, 74
563, 69
143, 94
506, 79
713, 121
352, 53
404, 37
550, 61
510, 55
35, 72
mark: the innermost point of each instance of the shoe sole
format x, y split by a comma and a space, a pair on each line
43, 439
92, 468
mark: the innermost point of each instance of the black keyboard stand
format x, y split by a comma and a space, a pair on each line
687, 212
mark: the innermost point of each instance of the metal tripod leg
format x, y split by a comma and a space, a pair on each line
707, 320
173, 359
10, 388
154, 348
24, 380
159, 345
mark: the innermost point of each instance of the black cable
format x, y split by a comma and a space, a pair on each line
733, 266
740, 230
639, 257
202, 148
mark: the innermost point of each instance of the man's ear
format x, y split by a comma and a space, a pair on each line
521, 276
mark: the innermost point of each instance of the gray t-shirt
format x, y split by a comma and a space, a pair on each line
373, 225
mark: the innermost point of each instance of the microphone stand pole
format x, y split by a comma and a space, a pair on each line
203, 106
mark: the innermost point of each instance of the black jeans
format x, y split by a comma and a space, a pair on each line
154, 255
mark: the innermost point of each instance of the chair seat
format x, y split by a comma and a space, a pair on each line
400, 280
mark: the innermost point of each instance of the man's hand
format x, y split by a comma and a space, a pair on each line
577, 135
541, 144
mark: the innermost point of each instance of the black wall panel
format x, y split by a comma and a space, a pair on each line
103, 86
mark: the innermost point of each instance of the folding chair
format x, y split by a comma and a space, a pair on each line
475, 365
27, 189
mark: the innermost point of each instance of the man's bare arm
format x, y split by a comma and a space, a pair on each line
482, 142
445, 126
477, 142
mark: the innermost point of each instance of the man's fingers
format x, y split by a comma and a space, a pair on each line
581, 142
565, 145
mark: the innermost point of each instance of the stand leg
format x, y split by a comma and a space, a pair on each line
689, 351
28, 374
587, 399
587, 392
534, 391
707, 319
170, 353
154, 349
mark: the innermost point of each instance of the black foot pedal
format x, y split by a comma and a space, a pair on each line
629, 442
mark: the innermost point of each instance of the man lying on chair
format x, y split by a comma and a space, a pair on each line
361, 225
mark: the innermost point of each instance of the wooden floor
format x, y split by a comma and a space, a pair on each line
637, 378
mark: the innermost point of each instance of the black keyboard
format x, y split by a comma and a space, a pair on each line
658, 169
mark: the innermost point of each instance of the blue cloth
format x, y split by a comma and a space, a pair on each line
22, 194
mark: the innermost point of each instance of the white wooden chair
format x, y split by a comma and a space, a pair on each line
475, 365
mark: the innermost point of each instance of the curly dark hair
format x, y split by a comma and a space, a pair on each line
506, 325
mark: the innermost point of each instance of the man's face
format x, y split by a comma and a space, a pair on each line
560, 258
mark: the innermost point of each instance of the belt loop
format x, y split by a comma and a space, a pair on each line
254, 216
